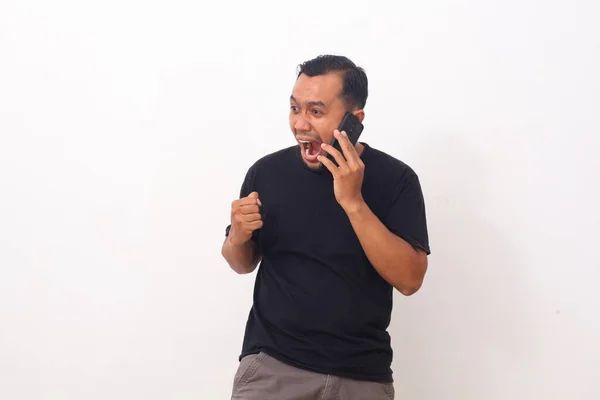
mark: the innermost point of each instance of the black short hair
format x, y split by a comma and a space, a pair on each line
356, 84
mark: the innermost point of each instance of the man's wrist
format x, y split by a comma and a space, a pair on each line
235, 242
355, 208
232, 242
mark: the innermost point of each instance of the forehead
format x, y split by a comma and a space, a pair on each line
324, 88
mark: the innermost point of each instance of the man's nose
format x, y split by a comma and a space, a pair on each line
301, 124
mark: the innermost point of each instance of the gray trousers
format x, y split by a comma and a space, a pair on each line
262, 377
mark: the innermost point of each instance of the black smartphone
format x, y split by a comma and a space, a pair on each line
353, 128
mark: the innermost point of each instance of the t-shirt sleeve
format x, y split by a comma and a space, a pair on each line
248, 185
406, 217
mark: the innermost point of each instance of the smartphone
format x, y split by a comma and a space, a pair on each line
353, 128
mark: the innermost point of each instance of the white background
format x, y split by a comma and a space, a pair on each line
127, 127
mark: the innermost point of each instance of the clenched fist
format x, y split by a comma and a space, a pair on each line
245, 218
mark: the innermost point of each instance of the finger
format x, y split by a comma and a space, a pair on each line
349, 150
243, 221
246, 201
329, 165
249, 209
251, 217
252, 226
339, 158
254, 195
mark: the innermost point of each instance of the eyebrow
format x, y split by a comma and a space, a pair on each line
310, 103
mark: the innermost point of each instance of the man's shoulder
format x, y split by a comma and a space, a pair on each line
386, 164
274, 158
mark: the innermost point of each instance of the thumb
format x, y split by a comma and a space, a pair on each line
254, 195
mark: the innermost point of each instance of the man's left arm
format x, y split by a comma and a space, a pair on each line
398, 248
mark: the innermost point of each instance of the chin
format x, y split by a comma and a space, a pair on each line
315, 166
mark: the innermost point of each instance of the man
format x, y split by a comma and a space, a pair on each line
332, 242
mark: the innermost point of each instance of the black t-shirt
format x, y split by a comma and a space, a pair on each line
318, 302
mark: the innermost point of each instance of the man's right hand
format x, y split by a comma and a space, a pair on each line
245, 219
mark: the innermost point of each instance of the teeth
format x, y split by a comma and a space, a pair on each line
307, 146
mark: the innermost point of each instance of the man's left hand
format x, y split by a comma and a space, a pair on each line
348, 175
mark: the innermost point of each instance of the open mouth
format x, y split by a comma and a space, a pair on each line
310, 149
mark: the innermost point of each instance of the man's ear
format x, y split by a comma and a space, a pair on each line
360, 114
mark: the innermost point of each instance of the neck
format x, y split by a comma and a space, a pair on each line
360, 148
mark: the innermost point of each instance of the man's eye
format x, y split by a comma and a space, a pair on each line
293, 108
317, 112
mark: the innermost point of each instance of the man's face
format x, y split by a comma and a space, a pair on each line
316, 110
